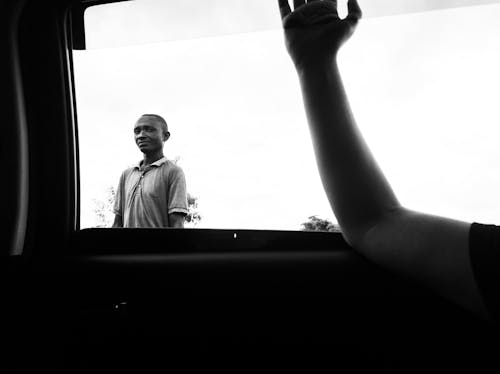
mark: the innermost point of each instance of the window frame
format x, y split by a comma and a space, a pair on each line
187, 240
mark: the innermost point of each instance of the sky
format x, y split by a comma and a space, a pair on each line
423, 88
129, 22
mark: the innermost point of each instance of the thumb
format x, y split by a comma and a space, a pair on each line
354, 13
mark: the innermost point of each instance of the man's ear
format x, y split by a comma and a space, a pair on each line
166, 135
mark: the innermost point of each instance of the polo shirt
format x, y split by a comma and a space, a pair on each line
147, 195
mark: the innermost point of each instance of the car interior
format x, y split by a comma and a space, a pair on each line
232, 300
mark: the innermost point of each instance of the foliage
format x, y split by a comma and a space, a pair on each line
103, 209
315, 223
193, 216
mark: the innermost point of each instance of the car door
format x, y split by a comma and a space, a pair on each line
229, 300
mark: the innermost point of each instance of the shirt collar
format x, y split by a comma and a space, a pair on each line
157, 163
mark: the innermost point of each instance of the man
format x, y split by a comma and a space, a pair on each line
152, 193
455, 259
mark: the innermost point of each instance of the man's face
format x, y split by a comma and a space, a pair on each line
149, 135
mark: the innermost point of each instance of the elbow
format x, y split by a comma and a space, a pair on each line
176, 220
357, 232
352, 235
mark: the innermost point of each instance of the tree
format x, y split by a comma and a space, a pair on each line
193, 217
315, 223
103, 209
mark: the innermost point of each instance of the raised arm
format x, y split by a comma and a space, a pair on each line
431, 250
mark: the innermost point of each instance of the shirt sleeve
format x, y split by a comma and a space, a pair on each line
118, 204
484, 247
177, 195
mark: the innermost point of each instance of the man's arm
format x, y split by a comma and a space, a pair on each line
177, 198
431, 250
118, 222
176, 220
117, 205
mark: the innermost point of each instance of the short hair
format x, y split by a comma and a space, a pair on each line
158, 119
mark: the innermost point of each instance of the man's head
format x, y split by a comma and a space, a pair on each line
150, 132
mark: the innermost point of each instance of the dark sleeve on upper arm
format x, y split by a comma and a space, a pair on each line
484, 246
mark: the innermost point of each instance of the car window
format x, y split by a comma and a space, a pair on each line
422, 85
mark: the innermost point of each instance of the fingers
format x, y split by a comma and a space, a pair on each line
284, 8
334, 7
354, 13
354, 10
298, 3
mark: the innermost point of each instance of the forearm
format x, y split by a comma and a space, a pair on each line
355, 186
118, 222
176, 220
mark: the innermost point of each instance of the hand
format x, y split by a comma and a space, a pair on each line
314, 32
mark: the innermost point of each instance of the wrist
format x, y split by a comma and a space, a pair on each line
316, 68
